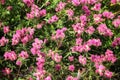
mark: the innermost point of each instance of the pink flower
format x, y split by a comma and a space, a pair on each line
103, 30
48, 78
6, 71
82, 60
57, 57
60, 6
24, 54
11, 55
71, 58
110, 56
28, 2
108, 15
79, 41
83, 18
97, 7
71, 68
94, 42
108, 74
90, 30
53, 19
100, 69
116, 23
58, 67
97, 18
6, 29
9, 8
2, 2
18, 62
116, 42
43, 12
3, 41
70, 12
113, 1
76, 2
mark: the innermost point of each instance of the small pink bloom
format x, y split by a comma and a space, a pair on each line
82, 60
6, 71
58, 67
48, 78
71, 58
108, 74
18, 62
6, 29
71, 68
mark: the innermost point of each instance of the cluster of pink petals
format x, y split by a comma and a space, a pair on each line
6, 71
98, 60
78, 28
109, 56
82, 60
6, 29
28, 2
97, 18
59, 34
116, 42
40, 72
94, 42
36, 12
2, 2
103, 30
53, 19
23, 54
116, 23
90, 30
3, 41
97, 7
24, 35
71, 68
60, 6
10, 55
36, 46
71, 78
86, 46
102, 71
55, 56
48, 78
115, 1
108, 15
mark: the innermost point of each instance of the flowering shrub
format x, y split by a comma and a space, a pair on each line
59, 39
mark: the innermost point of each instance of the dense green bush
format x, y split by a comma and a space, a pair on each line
59, 39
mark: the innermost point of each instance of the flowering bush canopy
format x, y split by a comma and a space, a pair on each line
59, 39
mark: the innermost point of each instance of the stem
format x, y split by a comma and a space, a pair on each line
18, 73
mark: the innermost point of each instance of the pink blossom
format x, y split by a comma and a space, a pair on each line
6, 29
60, 6
2, 2
28, 2
108, 74
116, 42
18, 62
71, 58
57, 57
116, 23
43, 12
97, 18
6, 71
71, 68
90, 30
94, 42
24, 54
79, 41
48, 78
76, 2
11, 55
53, 19
58, 67
9, 8
70, 12
103, 30
82, 60
97, 7
100, 69
108, 15
3, 41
